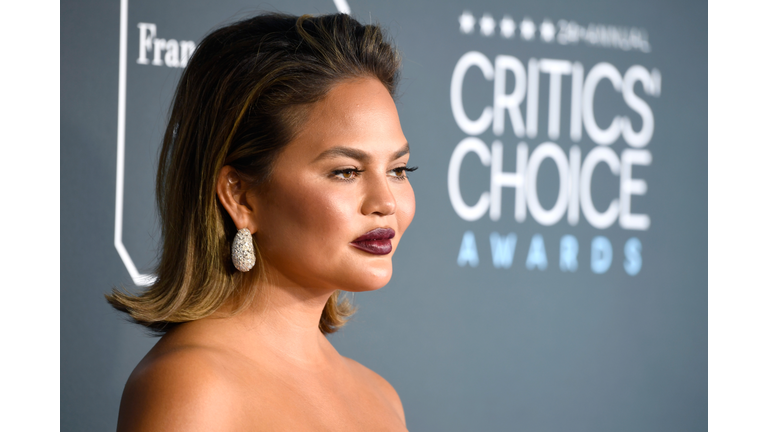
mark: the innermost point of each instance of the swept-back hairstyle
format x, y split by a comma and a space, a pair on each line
241, 99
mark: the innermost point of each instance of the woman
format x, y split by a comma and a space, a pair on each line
282, 179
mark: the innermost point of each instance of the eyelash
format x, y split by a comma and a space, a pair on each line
357, 172
405, 169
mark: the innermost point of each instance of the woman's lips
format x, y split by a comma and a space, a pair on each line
376, 241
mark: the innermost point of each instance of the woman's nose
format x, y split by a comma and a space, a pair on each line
379, 198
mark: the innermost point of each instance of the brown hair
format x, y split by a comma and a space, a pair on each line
241, 99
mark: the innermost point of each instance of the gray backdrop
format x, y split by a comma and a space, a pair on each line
491, 321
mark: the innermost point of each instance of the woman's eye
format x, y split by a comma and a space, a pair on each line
401, 172
347, 174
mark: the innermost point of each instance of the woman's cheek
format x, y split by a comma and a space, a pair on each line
406, 206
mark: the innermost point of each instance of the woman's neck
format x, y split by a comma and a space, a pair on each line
283, 320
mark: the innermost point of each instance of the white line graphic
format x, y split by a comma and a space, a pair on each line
342, 6
138, 278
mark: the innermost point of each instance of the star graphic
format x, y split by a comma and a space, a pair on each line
487, 25
467, 22
507, 27
527, 29
547, 31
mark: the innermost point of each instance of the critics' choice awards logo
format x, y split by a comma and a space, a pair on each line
576, 166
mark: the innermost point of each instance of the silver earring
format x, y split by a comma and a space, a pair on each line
242, 251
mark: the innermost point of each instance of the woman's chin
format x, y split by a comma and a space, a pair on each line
374, 278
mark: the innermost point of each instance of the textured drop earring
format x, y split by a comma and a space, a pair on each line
242, 251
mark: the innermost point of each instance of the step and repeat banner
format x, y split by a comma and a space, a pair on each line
555, 275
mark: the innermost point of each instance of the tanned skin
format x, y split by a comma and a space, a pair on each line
269, 368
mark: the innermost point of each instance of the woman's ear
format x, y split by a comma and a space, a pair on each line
232, 193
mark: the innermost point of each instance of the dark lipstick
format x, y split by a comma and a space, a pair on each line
376, 241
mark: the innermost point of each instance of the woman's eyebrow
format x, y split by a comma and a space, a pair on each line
404, 150
341, 151
360, 155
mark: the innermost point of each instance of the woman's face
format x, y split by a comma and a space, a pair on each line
338, 196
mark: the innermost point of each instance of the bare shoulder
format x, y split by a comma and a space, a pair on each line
187, 388
380, 384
